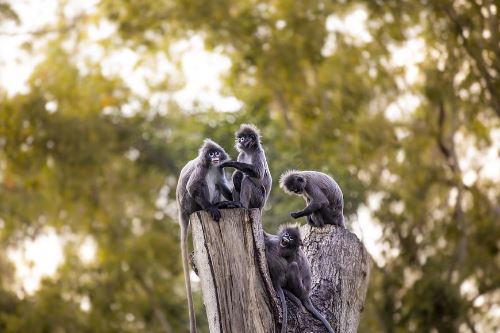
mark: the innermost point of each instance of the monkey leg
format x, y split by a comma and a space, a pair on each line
310, 221
246, 192
258, 197
318, 219
331, 216
237, 179
236, 195
294, 281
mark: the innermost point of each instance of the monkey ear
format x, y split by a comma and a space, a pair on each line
300, 179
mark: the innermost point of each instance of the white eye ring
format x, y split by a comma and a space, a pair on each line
217, 153
211, 154
241, 139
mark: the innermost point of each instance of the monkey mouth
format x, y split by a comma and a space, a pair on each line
284, 242
215, 161
245, 145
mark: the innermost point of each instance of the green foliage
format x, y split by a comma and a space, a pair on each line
75, 160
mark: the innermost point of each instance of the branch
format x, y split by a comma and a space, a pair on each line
477, 59
448, 150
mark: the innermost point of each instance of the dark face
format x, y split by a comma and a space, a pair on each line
290, 239
215, 157
246, 140
295, 184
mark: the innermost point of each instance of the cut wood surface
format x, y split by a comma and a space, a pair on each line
236, 287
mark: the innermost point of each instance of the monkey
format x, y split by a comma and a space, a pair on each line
252, 178
277, 265
200, 187
290, 272
325, 202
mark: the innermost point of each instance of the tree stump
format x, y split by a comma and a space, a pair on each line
236, 287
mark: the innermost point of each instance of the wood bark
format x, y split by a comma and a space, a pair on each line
236, 287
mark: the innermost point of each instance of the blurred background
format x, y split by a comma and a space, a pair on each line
103, 102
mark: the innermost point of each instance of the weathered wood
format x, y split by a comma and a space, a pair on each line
340, 271
237, 291
232, 268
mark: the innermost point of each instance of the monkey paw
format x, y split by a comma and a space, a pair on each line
295, 215
214, 213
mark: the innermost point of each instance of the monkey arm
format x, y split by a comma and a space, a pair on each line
318, 201
200, 194
311, 208
226, 192
249, 169
197, 187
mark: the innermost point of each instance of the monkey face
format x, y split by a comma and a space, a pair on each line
215, 157
246, 141
290, 238
295, 184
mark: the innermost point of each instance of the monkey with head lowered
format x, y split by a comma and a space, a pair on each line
290, 272
252, 178
200, 187
325, 202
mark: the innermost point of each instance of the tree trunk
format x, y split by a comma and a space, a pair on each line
236, 287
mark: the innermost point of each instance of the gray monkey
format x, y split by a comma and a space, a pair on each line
200, 187
252, 178
277, 265
290, 272
325, 202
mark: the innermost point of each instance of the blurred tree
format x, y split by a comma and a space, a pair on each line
401, 133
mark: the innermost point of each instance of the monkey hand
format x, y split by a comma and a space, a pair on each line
214, 213
296, 215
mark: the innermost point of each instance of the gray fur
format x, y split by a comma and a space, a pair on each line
252, 178
290, 271
201, 186
325, 202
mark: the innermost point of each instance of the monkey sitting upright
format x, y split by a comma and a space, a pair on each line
290, 272
325, 203
200, 187
252, 178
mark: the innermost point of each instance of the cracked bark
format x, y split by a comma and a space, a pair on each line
236, 287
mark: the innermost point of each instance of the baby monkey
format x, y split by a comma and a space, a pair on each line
325, 202
290, 272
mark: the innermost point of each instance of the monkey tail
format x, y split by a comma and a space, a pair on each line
309, 306
184, 223
284, 311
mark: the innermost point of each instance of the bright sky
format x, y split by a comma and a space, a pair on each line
201, 71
